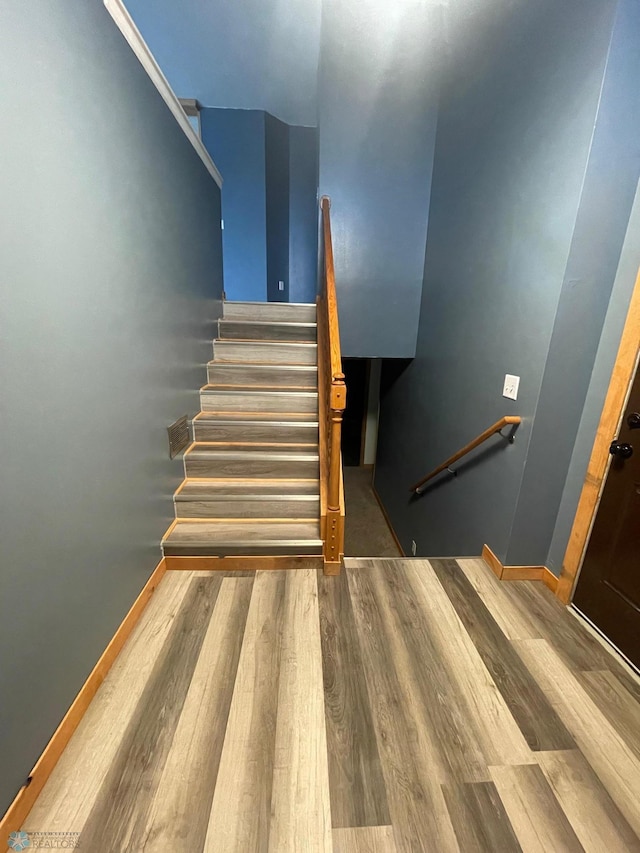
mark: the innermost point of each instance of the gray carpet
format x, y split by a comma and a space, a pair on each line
366, 531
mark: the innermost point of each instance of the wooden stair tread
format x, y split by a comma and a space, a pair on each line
201, 537
248, 322
253, 341
212, 449
262, 342
264, 345
267, 365
262, 375
267, 330
277, 353
247, 495
250, 499
259, 417
234, 302
262, 389
254, 488
243, 530
250, 398
265, 446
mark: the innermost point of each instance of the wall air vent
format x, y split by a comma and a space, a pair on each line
179, 436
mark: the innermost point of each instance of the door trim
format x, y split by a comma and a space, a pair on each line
620, 383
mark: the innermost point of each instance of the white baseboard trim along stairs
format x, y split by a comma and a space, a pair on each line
251, 487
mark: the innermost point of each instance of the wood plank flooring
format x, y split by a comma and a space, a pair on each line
406, 705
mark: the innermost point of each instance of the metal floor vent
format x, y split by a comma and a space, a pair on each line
179, 436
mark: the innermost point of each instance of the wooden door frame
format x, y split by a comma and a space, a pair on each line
622, 377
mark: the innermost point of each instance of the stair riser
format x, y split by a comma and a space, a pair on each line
221, 401
269, 353
197, 466
246, 374
277, 312
241, 549
268, 433
237, 329
267, 508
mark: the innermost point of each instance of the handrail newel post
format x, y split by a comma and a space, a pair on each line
335, 518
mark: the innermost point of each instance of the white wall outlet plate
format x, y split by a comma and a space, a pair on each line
414, 547
281, 285
511, 385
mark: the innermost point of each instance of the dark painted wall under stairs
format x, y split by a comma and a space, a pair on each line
529, 209
110, 273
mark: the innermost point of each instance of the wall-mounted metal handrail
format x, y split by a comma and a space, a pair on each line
508, 420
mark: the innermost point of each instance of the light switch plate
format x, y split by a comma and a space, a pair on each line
511, 385
281, 285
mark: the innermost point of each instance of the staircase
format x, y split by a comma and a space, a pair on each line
251, 493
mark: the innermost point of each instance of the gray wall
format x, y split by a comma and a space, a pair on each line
608, 191
236, 141
516, 182
598, 385
255, 55
377, 117
110, 274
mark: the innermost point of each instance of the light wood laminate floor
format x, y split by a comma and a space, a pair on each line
407, 705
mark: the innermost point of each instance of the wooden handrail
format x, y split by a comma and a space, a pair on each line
329, 285
508, 420
332, 395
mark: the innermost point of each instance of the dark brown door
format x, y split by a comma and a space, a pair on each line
608, 589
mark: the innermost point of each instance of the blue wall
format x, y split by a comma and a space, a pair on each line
377, 118
269, 204
253, 55
277, 193
236, 141
518, 180
303, 214
110, 280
